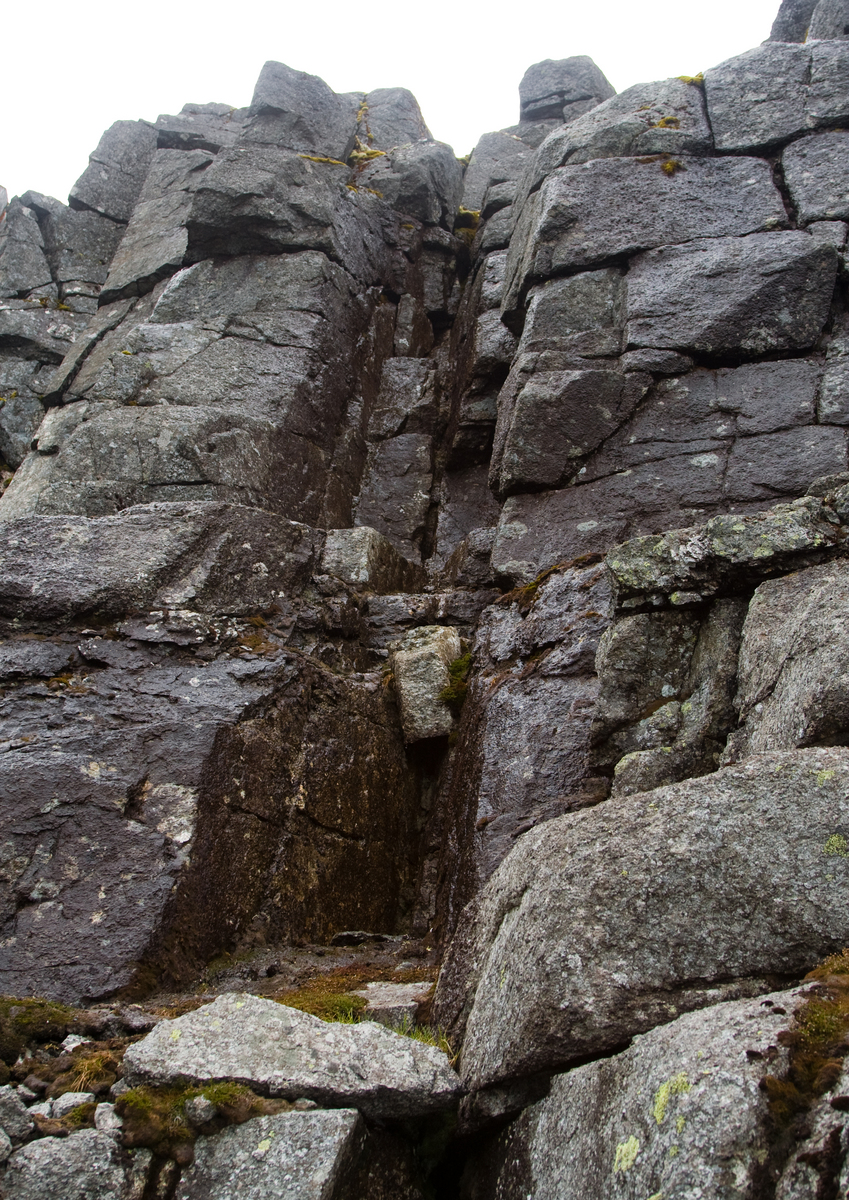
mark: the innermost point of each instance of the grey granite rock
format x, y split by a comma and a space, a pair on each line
407, 401
84, 1166
298, 111
154, 244
817, 174
421, 179
22, 384
420, 667
829, 20
68, 1101
392, 117
368, 562
5, 1147
14, 1118
791, 23
200, 127
38, 332
645, 206
284, 1052
679, 1113
792, 684
23, 265
650, 118
208, 557
562, 955
293, 1156
497, 158
112, 181
561, 88
79, 244
833, 401
755, 294
703, 560
395, 494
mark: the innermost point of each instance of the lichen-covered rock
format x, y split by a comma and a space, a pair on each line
14, 1118
680, 1113
287, 1053
793, 677
84, 1166
292, 1156
420, 668
592, 931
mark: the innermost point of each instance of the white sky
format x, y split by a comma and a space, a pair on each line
72, 67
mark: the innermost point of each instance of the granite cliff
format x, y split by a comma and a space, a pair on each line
415, 567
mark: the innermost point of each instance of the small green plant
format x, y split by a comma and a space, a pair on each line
455, 691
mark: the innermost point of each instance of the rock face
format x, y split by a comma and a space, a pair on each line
454, 551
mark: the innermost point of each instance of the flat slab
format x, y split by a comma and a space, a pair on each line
284, 1052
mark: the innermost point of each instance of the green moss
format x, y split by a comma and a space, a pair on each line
454, 692
30, 1019
695, 80
836, 845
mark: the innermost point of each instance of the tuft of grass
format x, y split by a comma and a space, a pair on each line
429, 1035
454, 692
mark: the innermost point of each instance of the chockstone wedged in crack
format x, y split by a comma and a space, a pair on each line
283, 1052
610, 921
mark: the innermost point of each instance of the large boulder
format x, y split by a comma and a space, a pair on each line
592, 929
297, 111
562, 88
117, 168
817, 174
283, 1052
682, 1112
292, 1156
88, 1165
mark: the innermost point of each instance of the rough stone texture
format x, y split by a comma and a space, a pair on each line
829, 20
817, 174
68, 1101
392, 118
367, 561
293, 1156
561, 88
395, 494
287, 1053
679, 1113
752, 295
421, 179
393, 1004
791, 24
23, 264
649, 118
85, 1166
299, 112
563, 227
420, 667
112, 181
498, 158
14, 1118
591, 931
200, 127
793, 688
775, 92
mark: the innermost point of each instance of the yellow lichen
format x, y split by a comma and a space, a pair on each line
626, 1155
676, 1086
319, 159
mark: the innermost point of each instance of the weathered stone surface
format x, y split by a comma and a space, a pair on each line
833, 400
649, 118
497, 158
564, 227
261, 199
79, 245
562, 88
287, 1053
817, 174
23, 265
392, 118
22, 384
297, 111
420, 666
829, 20
112, 181
775, 92
14, 1118
200, 127
210, 557
791, 24
561, 308
393, 1004
68, 1101
756, 294
368, 561
407, 401
666, 686
681, 1112
793, 685
85, 1166
395, 494
156, 238
562, 955
422, 179
37, 332
703, 560
292, 1156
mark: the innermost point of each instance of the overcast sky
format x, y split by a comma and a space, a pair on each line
72, 67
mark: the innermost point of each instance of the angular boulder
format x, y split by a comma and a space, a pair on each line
112, 181
593, 929
84, 1166
283, 1052
420, 667
817, 174
561, 88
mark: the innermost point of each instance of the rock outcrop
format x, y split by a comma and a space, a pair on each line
442, 564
